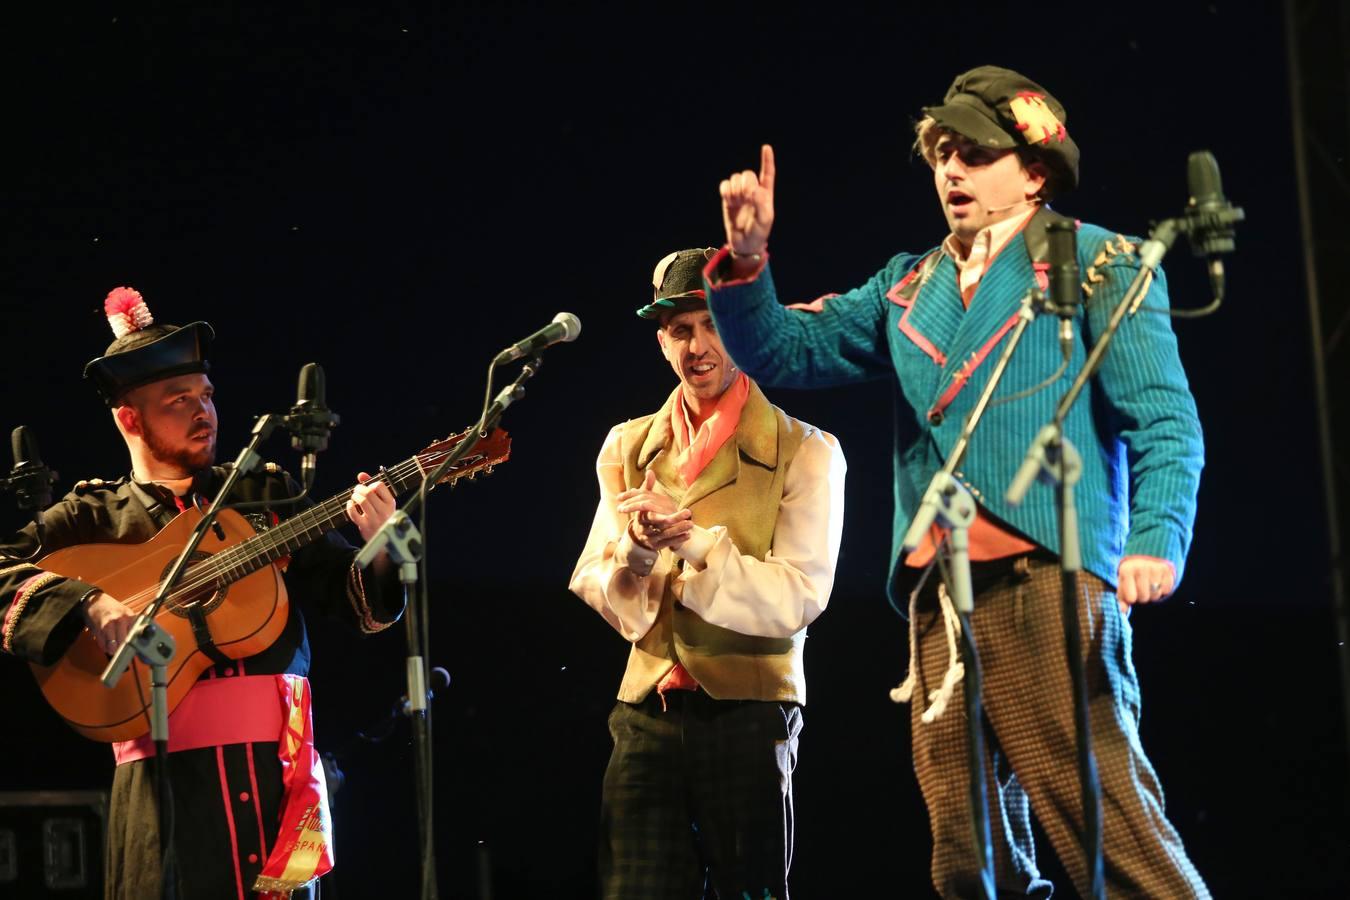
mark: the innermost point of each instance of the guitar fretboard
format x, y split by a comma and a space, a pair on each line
298, 531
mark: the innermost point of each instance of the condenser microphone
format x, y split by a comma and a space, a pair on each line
1209, 217
30, 480
564, 327
1065, 285
310, 421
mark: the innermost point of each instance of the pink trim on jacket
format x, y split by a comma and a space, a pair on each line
907, 329
710, 270
257, 803
962, 375
229, 820
815, 306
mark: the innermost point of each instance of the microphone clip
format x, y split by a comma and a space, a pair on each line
310, 426
1042, 303
31, 485
1210, 231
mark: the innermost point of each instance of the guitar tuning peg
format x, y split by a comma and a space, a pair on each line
488, 470
472, 475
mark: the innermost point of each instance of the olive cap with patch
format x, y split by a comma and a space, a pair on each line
1003, 109
677, 283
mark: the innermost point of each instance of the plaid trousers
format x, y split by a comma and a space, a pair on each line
697, 799
1030, 747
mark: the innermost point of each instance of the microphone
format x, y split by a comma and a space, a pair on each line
310, 420
381, 730
998, 209
30, 480
1065, 285
564, 327
440, 680
1209, 217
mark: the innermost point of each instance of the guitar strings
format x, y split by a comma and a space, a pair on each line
205, 573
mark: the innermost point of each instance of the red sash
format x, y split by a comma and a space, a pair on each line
196, 722
304, 847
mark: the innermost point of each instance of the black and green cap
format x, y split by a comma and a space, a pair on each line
1000, 108
677, 283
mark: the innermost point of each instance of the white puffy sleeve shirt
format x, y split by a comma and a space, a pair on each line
774, 597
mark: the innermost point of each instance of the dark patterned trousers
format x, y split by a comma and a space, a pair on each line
1030, 761
698, 799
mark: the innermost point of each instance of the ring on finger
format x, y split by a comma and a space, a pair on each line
1154, 586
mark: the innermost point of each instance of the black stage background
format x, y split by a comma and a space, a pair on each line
399, 192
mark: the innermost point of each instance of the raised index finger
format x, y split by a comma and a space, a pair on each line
767, 170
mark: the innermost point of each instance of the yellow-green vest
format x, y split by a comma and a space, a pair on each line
740, 489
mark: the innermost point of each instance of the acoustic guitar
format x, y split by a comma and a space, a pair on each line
234, 580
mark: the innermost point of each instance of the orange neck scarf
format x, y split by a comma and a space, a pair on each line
700, 447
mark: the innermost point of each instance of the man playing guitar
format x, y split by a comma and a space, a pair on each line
248, 798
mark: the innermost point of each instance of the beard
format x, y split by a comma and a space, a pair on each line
188, 459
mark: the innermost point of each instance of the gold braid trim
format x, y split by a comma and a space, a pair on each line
1139, 301
16, 609
12, 569
1108, 252
356, 594
278, 885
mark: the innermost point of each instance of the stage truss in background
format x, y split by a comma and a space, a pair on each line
1318, 39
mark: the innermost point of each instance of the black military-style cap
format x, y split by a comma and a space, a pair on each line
144, 351
1000, 108
677, 283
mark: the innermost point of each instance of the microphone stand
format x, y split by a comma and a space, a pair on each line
155, 648
948, 503
400, 538
1053, 459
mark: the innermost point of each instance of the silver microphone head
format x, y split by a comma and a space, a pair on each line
571, 325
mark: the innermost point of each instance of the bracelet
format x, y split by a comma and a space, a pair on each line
753, 257
85, 601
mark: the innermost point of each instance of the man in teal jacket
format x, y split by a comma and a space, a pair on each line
935, 323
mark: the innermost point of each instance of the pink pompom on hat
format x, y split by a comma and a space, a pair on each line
143, 351
127, 311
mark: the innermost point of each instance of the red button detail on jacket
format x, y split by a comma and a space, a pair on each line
243, 797
229, 672
253, 857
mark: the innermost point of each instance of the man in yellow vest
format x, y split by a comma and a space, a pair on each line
713, 547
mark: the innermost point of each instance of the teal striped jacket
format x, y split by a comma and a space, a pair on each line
1136, 426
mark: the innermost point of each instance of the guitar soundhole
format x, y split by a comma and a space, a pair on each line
206, 600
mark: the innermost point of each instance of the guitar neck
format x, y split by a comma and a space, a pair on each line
300, 530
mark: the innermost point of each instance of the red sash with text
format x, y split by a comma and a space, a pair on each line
304, 847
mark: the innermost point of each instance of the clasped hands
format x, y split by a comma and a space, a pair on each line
655, 521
